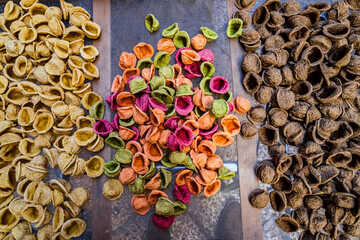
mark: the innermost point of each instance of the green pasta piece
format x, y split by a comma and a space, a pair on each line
177, 157
171, 111
164, 207
156, 82
165, 176
167, 72
205, 85
219, 108
123, 156
162, 59
170, 31
97, 110
115, 141
224, 173
112, 169
189, 164
144, 63
207, 69
166, 162
127, 122
137, 85
162, 96
169, 90
179, 207
150, 173
184, 90
138, 186
234, 28
209, 34
226, 96
182, 39
151, 23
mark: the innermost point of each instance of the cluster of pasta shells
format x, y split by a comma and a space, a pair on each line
45, 92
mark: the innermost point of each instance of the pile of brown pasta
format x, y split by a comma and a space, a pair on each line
304, 65
45, 87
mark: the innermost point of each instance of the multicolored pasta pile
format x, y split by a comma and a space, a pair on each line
45, 86
307, 72
162, 119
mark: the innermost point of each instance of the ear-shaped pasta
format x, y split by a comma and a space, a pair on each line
4, 82
72, 208
57, 198
37, 9
72, 34
222, 139
15, 96
51, 156
56, 26
89, 53
97, 112
151, 23
75, 62
22, 66
96, 145
206, 177
91, 29
36, 170
27, 4
90, 99
95, 166
52, 12
29, 88
58, 219
78, 15
55, 66
41, 75
90, 70
70, 145
61, 185
32, 213
84, 136
81, 91
10, 74
85, 121
75, 112
79, 196
73, 228
42, 194
62, 49
112, 189
143, 50
9, 220
65, 7
67, 163
43, 122
16, 26
78, 78
212, 189
39, 20
76, 45
11, 11
26, 116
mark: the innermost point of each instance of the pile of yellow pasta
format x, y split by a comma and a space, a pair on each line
45, 92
